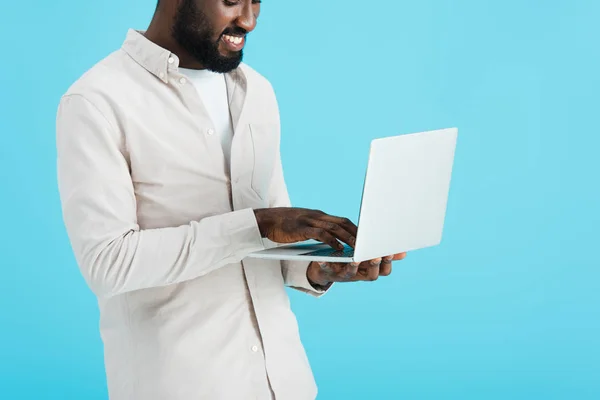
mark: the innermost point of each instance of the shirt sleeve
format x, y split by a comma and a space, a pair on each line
294, 272
99, 212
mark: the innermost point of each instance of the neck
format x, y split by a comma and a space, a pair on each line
159, 32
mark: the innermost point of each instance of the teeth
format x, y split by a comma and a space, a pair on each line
233, 39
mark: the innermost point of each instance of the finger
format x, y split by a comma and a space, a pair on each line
385, 269
400, 256
339, 272
348, 271
326, 268
336, 231
323, 236
343, 222
370, 269
373, 273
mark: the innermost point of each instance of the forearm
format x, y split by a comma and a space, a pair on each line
140, 259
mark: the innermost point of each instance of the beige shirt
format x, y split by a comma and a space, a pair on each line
161, 229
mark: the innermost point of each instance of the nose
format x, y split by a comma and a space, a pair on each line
248, 15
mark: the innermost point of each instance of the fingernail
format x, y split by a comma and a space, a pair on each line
354, 264
375, 262
322, 264
389, 258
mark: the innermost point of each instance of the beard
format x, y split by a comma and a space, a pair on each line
194, 32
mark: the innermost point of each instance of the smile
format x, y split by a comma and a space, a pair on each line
234, 43
233, 39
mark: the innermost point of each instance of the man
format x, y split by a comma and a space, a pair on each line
170, 175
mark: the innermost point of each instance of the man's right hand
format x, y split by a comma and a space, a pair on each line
292, 225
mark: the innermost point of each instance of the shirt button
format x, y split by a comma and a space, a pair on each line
210, 132
171, 60
182, 81
254, 349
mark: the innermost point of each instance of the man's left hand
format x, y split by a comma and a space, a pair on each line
324, 273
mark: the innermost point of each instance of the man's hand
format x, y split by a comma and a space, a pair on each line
292, 225
324, 274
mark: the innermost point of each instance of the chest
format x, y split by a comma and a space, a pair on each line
176, 156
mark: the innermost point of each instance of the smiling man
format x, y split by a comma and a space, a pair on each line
170, 174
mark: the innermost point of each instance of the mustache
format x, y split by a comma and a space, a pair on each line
235, 32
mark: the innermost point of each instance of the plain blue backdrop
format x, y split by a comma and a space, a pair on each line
508, 307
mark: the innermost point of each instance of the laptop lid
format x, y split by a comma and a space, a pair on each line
405, 193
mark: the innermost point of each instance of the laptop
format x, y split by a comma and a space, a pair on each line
403, 206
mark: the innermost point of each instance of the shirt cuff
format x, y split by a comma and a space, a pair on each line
296, 278
244, 232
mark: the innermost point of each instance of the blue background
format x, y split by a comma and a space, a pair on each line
507, 307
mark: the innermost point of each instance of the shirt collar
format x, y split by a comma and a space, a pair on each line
160, 62
149, 55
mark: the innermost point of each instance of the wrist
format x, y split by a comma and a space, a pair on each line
259, 215
315, 277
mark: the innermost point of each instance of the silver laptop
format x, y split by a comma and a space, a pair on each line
403, 205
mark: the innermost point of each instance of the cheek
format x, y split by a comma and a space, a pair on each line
219, 29
221, 19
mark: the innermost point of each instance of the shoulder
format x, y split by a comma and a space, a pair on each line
105, 84
95, 77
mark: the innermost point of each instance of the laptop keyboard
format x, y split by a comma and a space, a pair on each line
331, 252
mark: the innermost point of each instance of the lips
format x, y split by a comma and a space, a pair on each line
233, 42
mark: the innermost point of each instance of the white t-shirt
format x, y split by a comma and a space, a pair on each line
212, 90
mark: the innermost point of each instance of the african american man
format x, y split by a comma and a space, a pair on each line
170, 174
